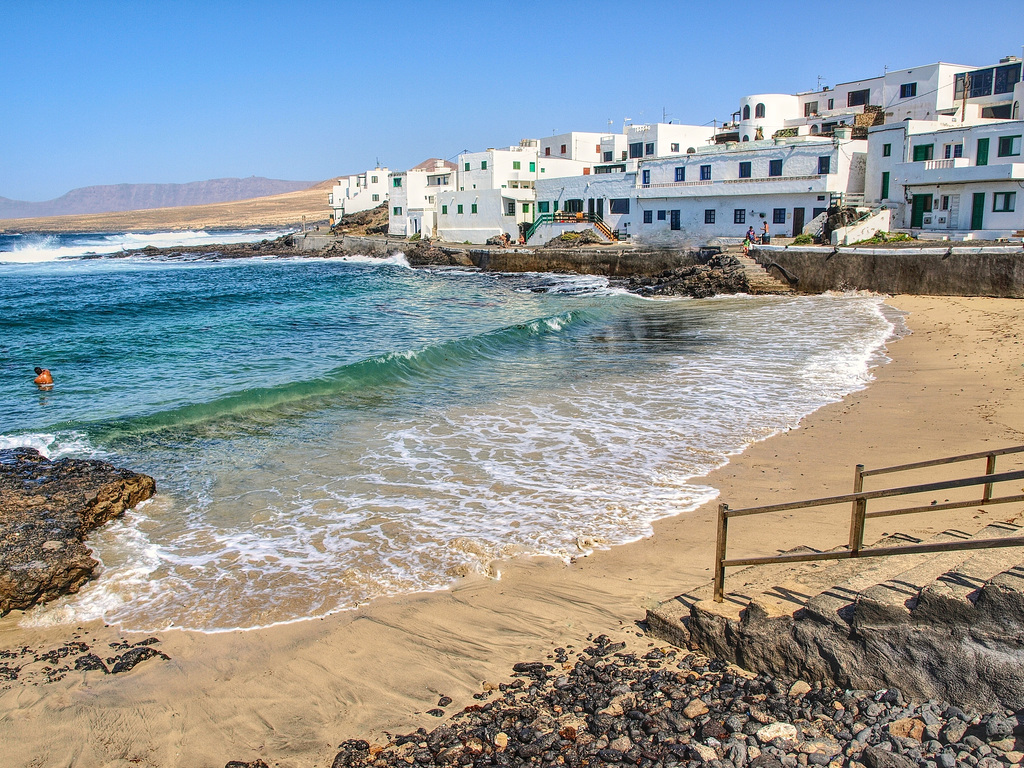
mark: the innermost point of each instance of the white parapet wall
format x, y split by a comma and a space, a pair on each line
878, 221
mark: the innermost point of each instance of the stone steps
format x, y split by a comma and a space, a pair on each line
759, 280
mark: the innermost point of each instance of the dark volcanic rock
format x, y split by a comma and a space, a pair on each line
721, 274
47, 508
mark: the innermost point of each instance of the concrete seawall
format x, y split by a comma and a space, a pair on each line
933, 271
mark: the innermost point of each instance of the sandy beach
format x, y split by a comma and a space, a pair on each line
290, 694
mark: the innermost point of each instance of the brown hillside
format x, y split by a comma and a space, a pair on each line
275, 211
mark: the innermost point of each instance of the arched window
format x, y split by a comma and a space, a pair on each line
690, 150
746, 111
814, 130
746, 138
759, 110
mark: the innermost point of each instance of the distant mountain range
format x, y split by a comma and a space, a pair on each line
136, 197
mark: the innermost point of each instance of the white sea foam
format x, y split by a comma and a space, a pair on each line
395, 260
32, 249
54, 445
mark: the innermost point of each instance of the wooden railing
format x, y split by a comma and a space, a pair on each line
859, 514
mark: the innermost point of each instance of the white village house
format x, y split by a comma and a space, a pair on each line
413, 197
360, 192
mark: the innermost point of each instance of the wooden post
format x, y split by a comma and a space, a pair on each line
990, 469
860, 507
723, 529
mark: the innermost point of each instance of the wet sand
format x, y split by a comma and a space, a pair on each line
291, 694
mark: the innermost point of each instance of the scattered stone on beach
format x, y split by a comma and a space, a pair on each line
675, 708
28, 666
721, 274
47, 508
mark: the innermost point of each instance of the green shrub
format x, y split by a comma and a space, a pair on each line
803, 239
415, 237
886, 237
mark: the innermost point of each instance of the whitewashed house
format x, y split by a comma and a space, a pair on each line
413, 198
956, 180
360, 192
575, 145
641, 142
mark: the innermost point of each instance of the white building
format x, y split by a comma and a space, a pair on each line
642, 142
949, 180
575, 145
359, 193
715, 191
413, 197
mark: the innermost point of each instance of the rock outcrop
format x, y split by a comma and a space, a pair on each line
47, 508
721, 274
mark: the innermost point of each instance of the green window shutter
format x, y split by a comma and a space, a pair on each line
516, 165
533, 167
885, 185
886, 150
460, 209
472, 208
923, 152
526, 207
467, 166
483, 165
982, 156
444, 209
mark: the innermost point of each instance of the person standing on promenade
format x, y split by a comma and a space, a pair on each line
765, 237
43, 379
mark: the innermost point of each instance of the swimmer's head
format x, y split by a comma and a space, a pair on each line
38, 370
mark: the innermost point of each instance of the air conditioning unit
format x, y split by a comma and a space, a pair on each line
927, 219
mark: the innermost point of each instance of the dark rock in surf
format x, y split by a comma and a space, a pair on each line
720, 275
47, 508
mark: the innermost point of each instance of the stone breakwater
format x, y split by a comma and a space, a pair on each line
722, 274
47, 508
675, 708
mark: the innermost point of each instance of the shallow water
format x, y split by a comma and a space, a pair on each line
326, 432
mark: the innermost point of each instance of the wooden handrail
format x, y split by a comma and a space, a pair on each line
859, 514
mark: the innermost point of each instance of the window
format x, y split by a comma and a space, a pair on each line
510, 208
1007, 77
467, 166
709, 216
563, 149
620, 205
908, 90
648, 217
923, 152
547, 151
759, 110
675, 220
373, 179
681, 174
444, 210
778, 216
376, 198
673, 147
831, 103
483, 165
533, 167
543, 206
857, 98
775, 167
1009, 146
459, 210
645, 177
953, 150
661, 215
574, 206
886, 150
746, 111
516, 165
396, 182
982, 156
608, 156
636, 150
472, 208
825, 164
885, 185
739, 216
810, 108
649, 148
705, 173
945, 203
1003, 202
397, 210
526, 207
816, 212
745, 170
623, 154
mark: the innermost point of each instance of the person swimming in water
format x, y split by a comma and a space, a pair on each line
43, 379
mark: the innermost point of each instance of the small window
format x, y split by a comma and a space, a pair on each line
533, 167
444, 210
661, 215
608, 156
620, 205
396, 182
856, 98
886, 150
563, 149
775, 167
923, 152
472, 208
705, 173
908, 90
373, 179
547, 151
825, 164
810, 108
483, 165
709, 216
745, 170
778, 216
526, 207
397, 210
648, 217
759, 110
649, 148
1009, 146
746, 111
467, 166
516, 165
958, 150
681, 174
944, 206
636, 150
645, 177
1003, 202
673, 147
459, 209
739, 216
376, 198
543, 206
831, 103
510, 208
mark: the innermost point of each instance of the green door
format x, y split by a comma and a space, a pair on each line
982, 153
921, 204
978, 207
885, 185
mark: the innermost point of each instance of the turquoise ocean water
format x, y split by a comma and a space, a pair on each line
325, 432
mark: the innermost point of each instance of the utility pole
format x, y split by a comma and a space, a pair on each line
963, 98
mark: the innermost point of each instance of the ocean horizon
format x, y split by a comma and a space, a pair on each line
326, 432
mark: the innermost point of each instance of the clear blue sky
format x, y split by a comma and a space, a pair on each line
177, 91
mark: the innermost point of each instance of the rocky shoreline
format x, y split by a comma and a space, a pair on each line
601, 706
